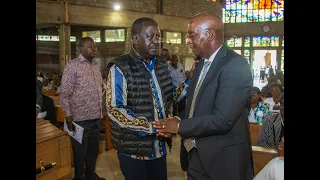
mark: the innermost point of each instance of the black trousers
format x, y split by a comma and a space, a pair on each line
195, 169
85, 154
134, 169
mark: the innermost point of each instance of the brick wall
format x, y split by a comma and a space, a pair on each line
189, 8
148, 6
183, 8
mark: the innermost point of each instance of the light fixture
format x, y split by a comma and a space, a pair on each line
116, 7
175, 34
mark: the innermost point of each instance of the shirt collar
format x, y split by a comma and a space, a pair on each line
213, 55
82, 59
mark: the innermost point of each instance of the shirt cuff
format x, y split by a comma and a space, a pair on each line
38, 106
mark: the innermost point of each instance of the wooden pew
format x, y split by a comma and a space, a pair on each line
261, 156
49, 92
52, 146
56, 100
254, 133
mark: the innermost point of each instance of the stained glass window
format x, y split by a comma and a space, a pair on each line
247, 41
237, 51
265, 41
44, 38
95, 35
282, 60
173, 37
73, 39
243, 11
115, 35
52, 38
234, 41
282, 43
246, 54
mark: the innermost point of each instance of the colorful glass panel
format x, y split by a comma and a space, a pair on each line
247, 41
242, 11
246, 54
265, 41
234, 41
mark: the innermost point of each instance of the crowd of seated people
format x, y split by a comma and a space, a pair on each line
267, 110
49, 81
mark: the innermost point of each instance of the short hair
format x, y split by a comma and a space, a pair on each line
256, 89
137, 25
175, 56
277, 85
84, 40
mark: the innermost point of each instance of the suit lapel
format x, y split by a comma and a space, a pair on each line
215, 66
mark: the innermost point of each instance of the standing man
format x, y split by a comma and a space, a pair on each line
165, 54
178, 77
81, 101
177, 72
215, 127
139, 91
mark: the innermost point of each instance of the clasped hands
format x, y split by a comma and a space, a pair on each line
167, 127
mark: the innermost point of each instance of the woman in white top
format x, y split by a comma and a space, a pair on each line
258, 109
274, 101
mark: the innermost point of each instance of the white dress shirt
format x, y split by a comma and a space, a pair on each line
211, 60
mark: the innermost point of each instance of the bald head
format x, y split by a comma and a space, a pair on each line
210, 20
205, 34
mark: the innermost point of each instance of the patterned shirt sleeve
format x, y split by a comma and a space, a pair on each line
66, 89
266, 133
116, 102
181, 91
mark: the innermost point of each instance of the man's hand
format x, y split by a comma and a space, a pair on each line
167, 125
70, 124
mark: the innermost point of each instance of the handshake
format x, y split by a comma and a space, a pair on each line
167, 127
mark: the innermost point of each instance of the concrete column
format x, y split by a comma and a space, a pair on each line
128, 42
64, 45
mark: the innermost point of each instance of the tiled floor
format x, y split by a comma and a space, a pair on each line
108, 164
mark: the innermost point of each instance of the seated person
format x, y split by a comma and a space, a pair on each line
47, 111
274, 101
258, 109
266, 90
272, 128
274, 170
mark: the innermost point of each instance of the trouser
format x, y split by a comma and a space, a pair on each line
85, 154
134, 169
195, 169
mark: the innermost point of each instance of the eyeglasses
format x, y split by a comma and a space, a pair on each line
255, 94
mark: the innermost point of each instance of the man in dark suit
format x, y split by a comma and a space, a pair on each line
39, 99
214, 126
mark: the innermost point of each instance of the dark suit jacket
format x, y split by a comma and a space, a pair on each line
39, 99
220, 122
